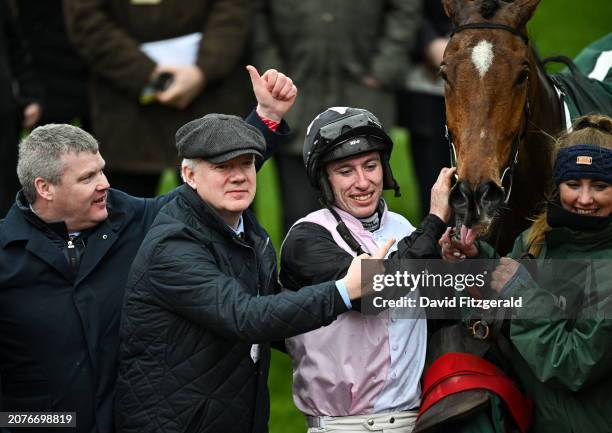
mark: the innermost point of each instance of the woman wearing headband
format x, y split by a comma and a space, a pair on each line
562, 334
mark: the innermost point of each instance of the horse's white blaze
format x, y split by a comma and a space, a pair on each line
482, 57
483, 134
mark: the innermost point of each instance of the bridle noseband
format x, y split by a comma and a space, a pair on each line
514, 153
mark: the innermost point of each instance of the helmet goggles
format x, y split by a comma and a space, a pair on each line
335, 129
344, 132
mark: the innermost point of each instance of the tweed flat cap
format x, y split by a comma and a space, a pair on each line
218, 138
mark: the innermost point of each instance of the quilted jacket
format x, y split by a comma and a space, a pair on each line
59, 330
197, 300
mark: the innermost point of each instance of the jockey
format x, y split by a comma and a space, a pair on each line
362, 372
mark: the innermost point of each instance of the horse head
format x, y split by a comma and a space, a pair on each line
486, 70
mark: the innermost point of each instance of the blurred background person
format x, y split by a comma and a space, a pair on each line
140, 99
420, 101
340, 53
20, 101
63, 74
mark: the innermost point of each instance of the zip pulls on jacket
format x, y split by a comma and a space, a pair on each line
72, 253
74, 250
72, 244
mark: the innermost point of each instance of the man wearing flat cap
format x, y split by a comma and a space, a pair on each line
203, 302
66, 247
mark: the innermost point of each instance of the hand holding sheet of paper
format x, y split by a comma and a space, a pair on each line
175, 57
187, 83
179, 51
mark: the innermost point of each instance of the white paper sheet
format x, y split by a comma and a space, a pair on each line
176, 51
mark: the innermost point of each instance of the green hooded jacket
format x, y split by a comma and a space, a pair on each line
562, 335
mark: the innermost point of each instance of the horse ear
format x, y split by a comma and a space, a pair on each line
521, 11
458, 10
449, 8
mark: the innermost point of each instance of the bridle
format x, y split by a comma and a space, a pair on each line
491, 26
513, 159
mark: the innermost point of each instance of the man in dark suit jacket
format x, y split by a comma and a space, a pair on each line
66, 247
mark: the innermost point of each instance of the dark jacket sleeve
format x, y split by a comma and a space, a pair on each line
273, 138
310, 256
20, 60
435, 24
191, 285
415, 250
224, 38
114, 53
400, 27
109, 49
423, 242
266, 51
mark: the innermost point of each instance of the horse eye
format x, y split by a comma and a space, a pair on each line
523, 75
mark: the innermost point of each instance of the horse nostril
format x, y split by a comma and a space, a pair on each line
459, 195
461, 199
490, 196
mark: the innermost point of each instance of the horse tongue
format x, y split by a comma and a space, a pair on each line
468, 235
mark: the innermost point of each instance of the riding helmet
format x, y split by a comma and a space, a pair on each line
343, 132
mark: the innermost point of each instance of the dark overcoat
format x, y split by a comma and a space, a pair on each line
59, 330
139, 138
